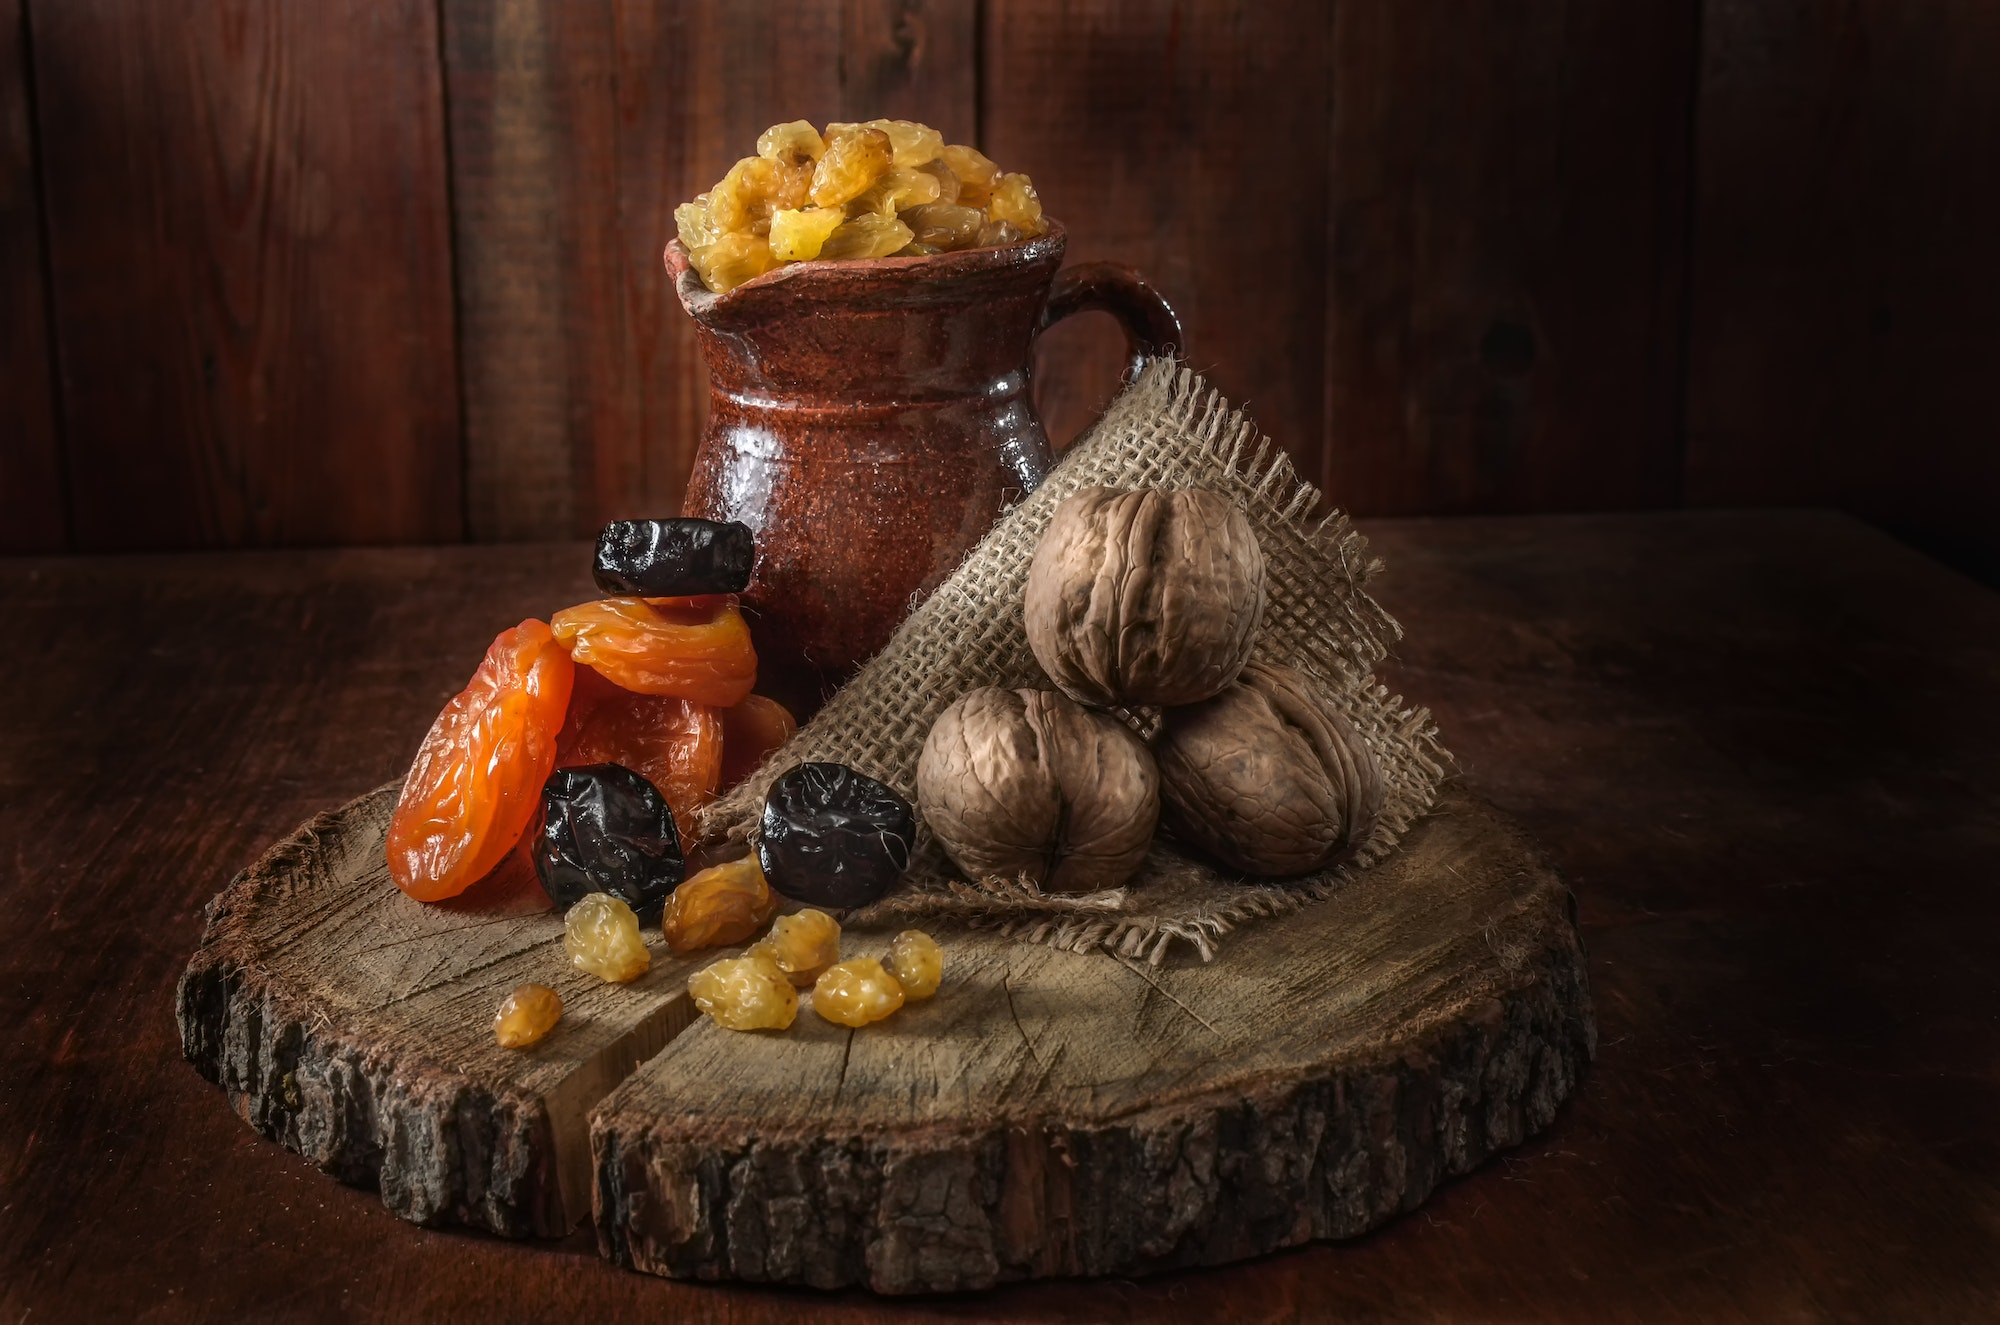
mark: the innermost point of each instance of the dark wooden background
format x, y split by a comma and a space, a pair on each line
329, 271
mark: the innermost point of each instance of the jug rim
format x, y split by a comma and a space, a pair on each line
1046, 247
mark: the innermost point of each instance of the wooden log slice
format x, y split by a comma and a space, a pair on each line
1047, 1113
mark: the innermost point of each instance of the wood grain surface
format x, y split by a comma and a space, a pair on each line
250, 254
1761, 747
34, 513
1844, 320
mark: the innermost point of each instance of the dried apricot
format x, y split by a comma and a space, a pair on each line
477, 778
723, 904
692, 648
673, 743
750, 731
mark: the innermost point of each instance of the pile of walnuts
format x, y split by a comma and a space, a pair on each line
1139, 599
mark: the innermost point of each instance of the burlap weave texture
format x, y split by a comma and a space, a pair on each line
1168, 429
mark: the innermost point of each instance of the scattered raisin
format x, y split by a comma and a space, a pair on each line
745, 993
476, 781
856, 992
674, 558
526, 1015
697, 648
605, 829
917, 963
601, 935
723, 904
833, 836
801, 945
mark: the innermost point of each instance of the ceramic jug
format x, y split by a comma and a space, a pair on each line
869, 420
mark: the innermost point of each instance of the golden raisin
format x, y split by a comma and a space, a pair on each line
792, 144
601, 935
852, 162
731, 260
798, 236
725, 903
976, 174
917, 963
801, 945
692, 224
1014, 200
857, 992
526, 1015
945, 226
995, 233
746, 993
948, 185
866, 236
898, 188
754, 188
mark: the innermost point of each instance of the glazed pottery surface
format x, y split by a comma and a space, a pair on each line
869, 420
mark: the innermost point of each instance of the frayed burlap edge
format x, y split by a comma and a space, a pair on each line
1168, 429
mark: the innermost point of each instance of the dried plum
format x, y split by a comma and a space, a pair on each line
674, 558
834, 837
605, 829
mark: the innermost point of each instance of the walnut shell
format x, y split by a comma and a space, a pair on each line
1266, 777
1144, 597
1025, 782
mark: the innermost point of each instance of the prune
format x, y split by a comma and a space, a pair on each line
601, 936
857, 992
474, 785
745, 994
605, 829
834, 837
673, 558
722, 904
750, 731
692, 648
917, 963
526, 1015
801, 945
672, 743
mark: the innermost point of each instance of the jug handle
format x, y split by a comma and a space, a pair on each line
1151, 326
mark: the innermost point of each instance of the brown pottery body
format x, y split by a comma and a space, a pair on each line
869, 421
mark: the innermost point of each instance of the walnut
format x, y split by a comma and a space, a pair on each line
1266, 777
1025, 782
1144, 597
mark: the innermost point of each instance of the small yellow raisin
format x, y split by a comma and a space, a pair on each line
798, 236
899, 187
526, 1015
996, 233
1015, 200
912, 143
948, 185
867, 236
791, 144
601, 935
852, 162
976, 173
916, 250
857, 992
725, 903
692, 223
732, 260
746, 993
945, 226
917, 963
802, 945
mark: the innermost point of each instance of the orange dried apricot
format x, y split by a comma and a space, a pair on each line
477, 778
750, 731
696, 649
675, 744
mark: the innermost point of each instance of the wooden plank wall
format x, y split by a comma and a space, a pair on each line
307, 271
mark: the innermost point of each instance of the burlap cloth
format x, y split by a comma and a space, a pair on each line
1169, 429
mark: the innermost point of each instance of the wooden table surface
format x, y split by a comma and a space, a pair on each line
1763, 747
